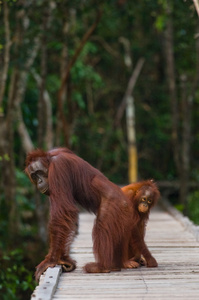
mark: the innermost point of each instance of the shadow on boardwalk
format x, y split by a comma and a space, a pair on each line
177, 276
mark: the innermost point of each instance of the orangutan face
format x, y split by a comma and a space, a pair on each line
146, 201
38, 175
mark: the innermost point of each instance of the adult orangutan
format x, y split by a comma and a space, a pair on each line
143, 196
68, 180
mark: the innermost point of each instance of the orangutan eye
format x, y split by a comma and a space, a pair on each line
34, 177
149, 201
144, 199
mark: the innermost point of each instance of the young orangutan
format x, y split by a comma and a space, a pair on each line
143, 196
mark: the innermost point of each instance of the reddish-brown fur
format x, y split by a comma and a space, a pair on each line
137, 245
73, 181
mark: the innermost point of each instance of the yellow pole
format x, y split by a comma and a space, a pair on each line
132, 163
131, 136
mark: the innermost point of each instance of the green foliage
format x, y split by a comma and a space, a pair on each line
179, 207
160, 22
16, 281
53, 83
4, 157
193, 207
23, 202
96, 137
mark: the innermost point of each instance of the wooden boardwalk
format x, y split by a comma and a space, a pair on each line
171, 242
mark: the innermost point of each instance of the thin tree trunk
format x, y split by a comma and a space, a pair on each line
8, 173
20, 91
48, 138
181, 147
171, 78
44, 113
129, 90
196, 3
186, 142
27, 143
63, 67
41, 105
187, 106
4, 71
128, 102
9, 163
7, 135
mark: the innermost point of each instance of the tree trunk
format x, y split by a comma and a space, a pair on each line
171, 79
196, 3
48, 139
181, 146
128, 102
44, 122
8, 174
4, 69
7, 136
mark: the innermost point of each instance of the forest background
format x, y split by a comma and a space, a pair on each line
106, 79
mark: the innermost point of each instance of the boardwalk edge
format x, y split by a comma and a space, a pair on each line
185, 221
47, 285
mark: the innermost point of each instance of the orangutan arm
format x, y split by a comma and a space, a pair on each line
62, 232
